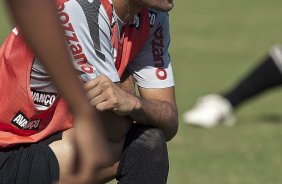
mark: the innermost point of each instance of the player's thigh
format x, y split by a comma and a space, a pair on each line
64, 151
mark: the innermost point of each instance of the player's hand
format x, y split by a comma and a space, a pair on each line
105, 95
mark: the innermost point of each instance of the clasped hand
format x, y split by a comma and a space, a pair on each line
106, 95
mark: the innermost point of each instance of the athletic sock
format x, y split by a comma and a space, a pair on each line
265, 76
144, 158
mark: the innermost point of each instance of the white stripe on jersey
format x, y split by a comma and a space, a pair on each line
15, 31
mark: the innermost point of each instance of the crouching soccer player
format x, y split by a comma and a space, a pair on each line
104, 42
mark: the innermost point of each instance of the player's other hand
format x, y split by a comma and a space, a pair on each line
106, 95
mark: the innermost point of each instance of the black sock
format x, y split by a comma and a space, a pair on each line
144, 158
265, 76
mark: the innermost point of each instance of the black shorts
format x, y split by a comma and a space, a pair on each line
30, 163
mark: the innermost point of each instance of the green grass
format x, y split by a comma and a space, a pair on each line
214, 43
4, 23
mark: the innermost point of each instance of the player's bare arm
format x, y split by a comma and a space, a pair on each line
155, 107
116, 126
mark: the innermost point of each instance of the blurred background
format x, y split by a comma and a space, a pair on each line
214, 43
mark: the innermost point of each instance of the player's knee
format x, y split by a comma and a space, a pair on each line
147, 140
155, 140
145, 148
156, 146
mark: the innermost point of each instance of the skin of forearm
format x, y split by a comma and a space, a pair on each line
152, 112
116, 127
156, 113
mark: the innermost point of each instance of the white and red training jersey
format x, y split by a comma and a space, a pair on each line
88, 31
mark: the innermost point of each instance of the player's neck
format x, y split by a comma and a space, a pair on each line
126, 9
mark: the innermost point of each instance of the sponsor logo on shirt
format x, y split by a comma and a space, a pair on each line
22, 122
158, 52
73, 42
43, 98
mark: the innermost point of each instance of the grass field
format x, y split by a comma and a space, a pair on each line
213, 44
